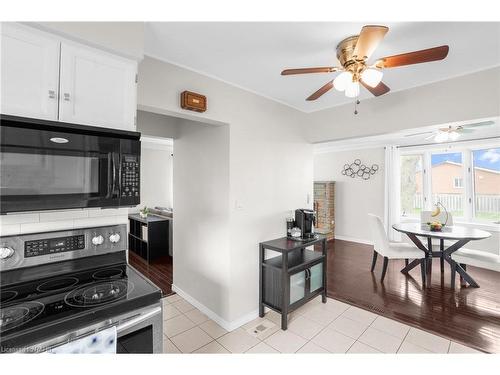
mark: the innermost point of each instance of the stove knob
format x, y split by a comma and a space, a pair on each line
6, 252
97, 240
114, 238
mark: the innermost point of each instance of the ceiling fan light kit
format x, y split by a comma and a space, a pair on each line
353, 54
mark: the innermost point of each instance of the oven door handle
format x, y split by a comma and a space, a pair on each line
138, 319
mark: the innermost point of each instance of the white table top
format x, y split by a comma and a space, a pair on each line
455, 232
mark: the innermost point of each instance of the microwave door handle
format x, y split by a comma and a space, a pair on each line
110, 175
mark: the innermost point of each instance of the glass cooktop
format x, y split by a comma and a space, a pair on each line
61, 302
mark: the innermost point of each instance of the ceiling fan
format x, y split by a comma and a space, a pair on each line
353, 53
452, 133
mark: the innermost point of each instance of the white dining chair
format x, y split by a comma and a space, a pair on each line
438, 245
475, 258
391, 250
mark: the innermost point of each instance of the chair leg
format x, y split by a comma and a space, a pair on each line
453, 275
384, 268
374, 260
406, 262
423, 271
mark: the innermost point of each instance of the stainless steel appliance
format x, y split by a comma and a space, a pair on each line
61, 286
305, 220
52, 165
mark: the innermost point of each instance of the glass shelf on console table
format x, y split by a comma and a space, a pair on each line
289, 280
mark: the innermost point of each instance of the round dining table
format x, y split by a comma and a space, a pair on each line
459, 235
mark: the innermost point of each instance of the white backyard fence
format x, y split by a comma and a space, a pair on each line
454, 202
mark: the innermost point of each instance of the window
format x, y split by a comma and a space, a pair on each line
444, 168
412, 197
486, 177
466, 181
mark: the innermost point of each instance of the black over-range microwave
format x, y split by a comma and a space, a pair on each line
47, 165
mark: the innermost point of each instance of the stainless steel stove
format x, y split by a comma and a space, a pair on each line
60, 286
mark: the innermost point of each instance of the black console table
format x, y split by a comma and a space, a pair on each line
288, 281
148, 237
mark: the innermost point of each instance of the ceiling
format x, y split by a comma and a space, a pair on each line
411, 137
252, 55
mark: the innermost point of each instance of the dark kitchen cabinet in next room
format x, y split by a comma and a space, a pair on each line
149, 237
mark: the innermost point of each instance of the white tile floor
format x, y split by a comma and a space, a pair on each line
334, 327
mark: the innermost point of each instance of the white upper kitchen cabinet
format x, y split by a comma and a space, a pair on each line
29, 72
97, 88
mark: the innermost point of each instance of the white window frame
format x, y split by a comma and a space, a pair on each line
466, 149
460, 184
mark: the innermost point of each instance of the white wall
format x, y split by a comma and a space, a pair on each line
270, 170
201, 218
468, 97
355, 198
156, 175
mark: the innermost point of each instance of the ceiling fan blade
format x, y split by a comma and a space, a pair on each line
415, 57
324, 69
415, 134
378, 90
478, 124
321, 91
430, 136
368, 40
465, 130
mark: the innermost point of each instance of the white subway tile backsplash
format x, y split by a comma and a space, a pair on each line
10, 229
63, 215
46, 226
19, 218
107, 212
95, 222
46, 221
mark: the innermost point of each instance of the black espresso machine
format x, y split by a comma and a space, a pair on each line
305, 219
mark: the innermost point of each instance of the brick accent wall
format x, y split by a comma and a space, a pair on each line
324, 204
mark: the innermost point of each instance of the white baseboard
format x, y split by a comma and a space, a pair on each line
227, 325
353, 239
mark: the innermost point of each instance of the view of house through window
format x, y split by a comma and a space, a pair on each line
487, 184
468, 196
446, 169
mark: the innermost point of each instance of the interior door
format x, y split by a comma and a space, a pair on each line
97, 88
29, 73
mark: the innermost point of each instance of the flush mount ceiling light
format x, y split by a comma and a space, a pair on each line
353, 54
59, 140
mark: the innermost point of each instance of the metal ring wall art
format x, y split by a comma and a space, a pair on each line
360, 170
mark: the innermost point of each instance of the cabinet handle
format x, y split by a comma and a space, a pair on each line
52, 94
66, 96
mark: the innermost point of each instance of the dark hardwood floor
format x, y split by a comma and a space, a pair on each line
470, 316
158, 271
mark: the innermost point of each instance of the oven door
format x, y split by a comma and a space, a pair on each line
50, 169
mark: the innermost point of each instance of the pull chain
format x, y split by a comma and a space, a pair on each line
356, 102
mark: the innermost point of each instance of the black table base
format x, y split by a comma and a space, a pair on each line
444, 255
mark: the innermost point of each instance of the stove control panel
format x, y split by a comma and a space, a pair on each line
130, 179
53, 245
34, 249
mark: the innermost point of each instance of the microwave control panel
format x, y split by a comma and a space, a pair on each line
53, 245
130, 177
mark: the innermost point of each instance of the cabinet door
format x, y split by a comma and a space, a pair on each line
97, 88
316, 279
297, 286
30, 72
